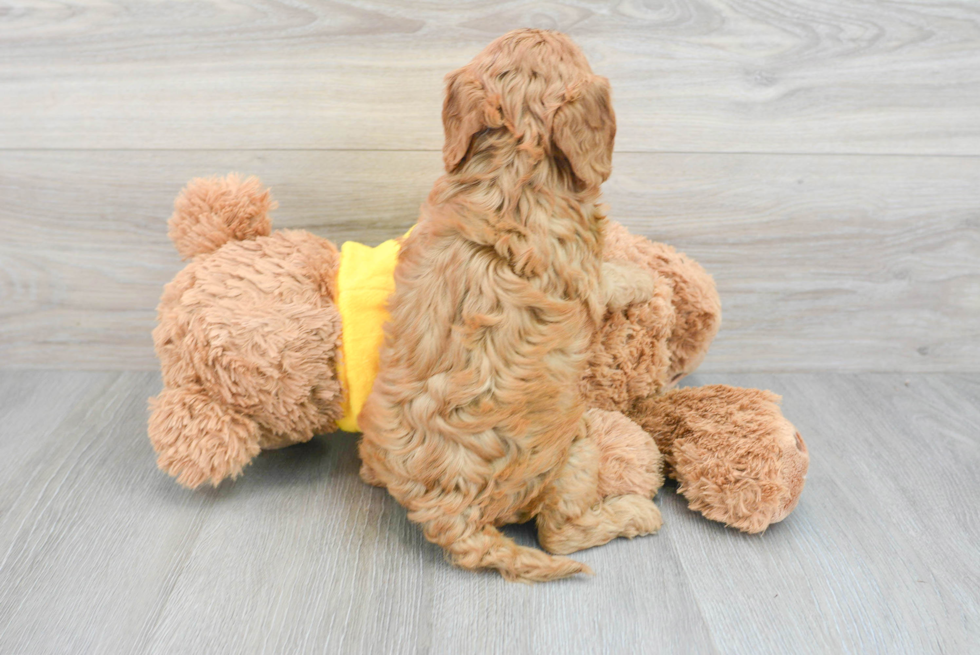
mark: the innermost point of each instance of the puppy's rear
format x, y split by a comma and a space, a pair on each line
477, 400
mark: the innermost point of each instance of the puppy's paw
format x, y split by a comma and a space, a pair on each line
645, 517
370, 477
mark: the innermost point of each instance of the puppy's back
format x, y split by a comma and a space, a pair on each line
476, 398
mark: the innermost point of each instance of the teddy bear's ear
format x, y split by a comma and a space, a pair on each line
584, 129
465, 112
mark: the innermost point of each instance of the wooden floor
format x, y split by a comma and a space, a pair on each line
100, 553
821, 158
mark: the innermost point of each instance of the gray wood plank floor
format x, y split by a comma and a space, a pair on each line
99, 552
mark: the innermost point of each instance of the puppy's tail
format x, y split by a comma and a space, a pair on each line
210, 212
488, 548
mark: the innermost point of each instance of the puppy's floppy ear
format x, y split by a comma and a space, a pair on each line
465, 112
584, 128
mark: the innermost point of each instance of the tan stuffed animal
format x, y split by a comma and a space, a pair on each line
265, 340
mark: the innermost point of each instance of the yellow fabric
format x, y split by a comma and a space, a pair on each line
365, 279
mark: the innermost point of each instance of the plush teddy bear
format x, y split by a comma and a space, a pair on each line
266, 339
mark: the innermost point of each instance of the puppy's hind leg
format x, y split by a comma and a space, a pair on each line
575, 513
368, 476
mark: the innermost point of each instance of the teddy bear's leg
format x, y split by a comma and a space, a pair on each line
604, 489
198, 440
735, 456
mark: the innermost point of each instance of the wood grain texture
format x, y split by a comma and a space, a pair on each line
823, 262
836, 76
101, 535
108, 555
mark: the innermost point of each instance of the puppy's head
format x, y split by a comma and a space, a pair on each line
538, 86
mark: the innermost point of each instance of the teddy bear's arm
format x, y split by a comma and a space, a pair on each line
625, 283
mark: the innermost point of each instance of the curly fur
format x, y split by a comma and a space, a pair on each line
477, 417
628, 463
226, 398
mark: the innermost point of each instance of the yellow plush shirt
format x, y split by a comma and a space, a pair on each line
365, 279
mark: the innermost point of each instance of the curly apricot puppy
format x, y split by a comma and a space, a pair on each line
477, 417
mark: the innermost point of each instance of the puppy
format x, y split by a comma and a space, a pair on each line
476, 418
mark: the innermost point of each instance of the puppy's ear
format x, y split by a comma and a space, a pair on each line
465, 112
584, 128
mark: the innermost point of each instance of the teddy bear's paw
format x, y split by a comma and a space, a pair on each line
735, 456
197, 440
745, 466
747, 491
625, 283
